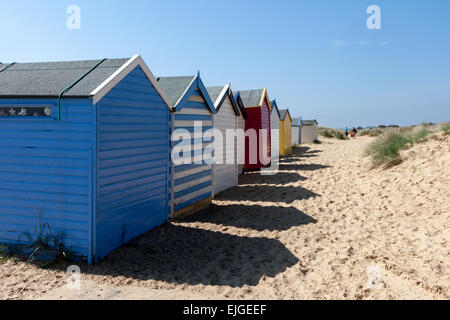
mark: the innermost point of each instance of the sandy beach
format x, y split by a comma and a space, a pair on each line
325, 227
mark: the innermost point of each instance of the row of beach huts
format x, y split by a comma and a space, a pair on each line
86, 148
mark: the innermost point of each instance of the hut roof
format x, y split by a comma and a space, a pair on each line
275, 107
175, 87
240, 104
87, 78
251, 98
309, 122
218, 95
295, 122
284, 113
49, 79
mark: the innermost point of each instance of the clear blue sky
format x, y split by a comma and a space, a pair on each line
317, 58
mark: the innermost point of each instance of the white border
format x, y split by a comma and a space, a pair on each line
222, 93
121, 73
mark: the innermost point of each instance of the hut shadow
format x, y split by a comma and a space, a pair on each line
256, 217
266, 193
279, 178
303, 167
298, 151
298, 158
177, 254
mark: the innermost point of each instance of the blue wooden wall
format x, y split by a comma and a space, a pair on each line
133, 162
46, 172
192, 182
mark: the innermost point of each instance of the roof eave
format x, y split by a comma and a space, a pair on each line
104, 88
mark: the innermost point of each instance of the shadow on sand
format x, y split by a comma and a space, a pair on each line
259, 218
279, 178
266, 193
302, 167
177, 254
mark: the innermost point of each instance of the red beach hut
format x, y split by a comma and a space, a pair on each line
257, 105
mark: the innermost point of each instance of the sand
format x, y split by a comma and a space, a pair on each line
325, 227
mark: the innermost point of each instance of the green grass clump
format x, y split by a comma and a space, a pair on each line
375, 132
385, 150
332, 133
339, 135
446, 127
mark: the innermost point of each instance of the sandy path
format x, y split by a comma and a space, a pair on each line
310, 232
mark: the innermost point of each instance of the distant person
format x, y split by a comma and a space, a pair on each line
346, 131
354, 132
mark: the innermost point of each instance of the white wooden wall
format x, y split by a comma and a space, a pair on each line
225, 176
295, 136
275, 140
309, 134
241, 125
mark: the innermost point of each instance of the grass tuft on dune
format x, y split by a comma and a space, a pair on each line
332, 133
385, 150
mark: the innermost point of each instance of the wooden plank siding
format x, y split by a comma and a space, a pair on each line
191, 183
225, 175
46, 173
275, 125
133, 162
286, 136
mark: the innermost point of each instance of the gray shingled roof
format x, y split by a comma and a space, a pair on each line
174, 87
48, 79
283, 114
309, 122
251, 98
214, 93
295, 122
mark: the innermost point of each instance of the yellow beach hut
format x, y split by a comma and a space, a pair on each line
285, 133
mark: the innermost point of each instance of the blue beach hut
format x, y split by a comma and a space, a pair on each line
84, 151
191, 182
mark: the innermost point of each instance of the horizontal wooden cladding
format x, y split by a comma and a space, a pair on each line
132, 197
78, 242
193, 117
203, 197
193, 180
45, 173
32, 211
197, 98
201, 190
184, 171
43, 161
146, 215
115, 145
133, 167
44, 187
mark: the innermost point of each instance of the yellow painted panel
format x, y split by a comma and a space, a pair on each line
282, 151
288, 136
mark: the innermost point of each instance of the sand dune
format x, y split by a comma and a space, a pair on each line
325, 227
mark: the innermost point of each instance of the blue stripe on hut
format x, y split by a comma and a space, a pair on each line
191, 181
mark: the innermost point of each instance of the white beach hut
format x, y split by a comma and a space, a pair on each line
275, 125
296, 132
310, 131
225, 174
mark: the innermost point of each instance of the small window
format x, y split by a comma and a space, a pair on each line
25, 111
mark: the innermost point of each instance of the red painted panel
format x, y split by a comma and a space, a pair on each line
258, 118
